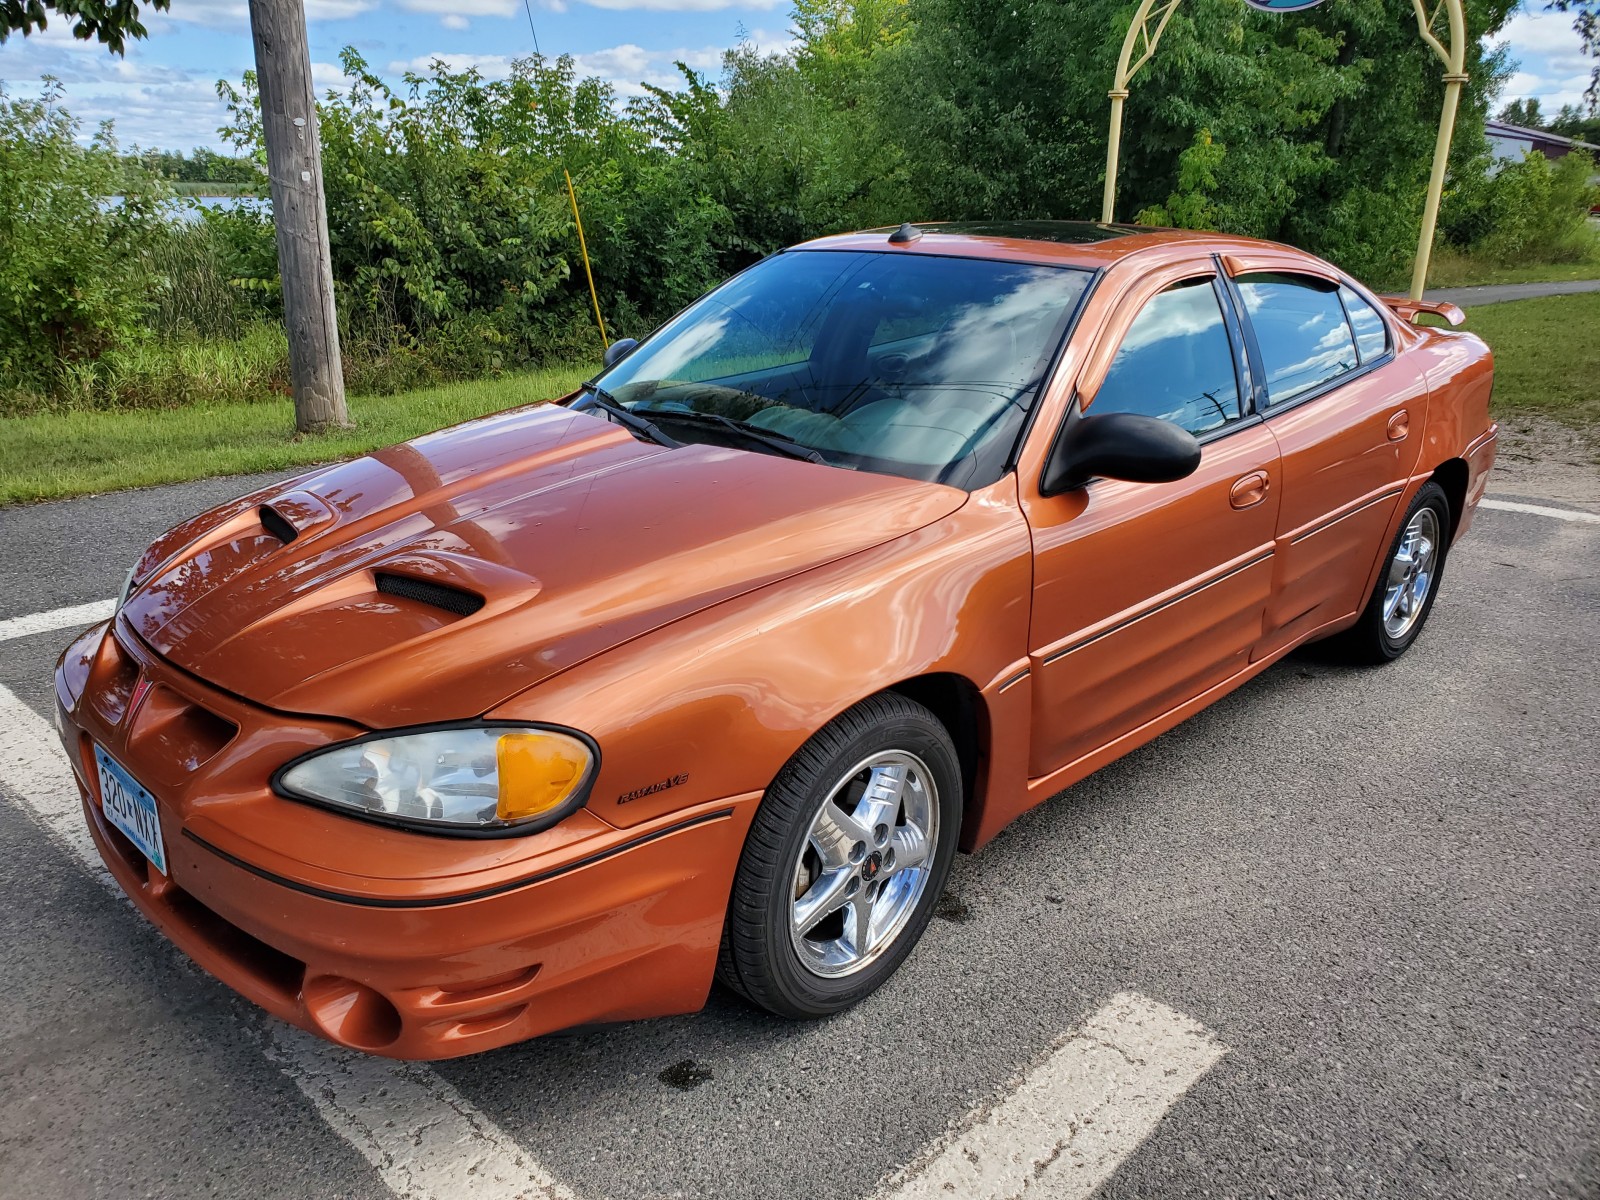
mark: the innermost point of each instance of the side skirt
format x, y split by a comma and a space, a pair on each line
1046, 786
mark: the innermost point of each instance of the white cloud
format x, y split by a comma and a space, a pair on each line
454, 21
769, 41
683, 5
235, 14
464, 8
626, 67
1546, 35
329, 76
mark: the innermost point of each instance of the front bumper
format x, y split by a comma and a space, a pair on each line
579, 924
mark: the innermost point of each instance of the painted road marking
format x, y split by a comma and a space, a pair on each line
425, 1140
1540, 510
76, 616
1070, 1121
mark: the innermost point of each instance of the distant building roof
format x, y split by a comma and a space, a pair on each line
1509, 140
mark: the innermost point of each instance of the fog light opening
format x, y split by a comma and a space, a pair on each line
351, 1013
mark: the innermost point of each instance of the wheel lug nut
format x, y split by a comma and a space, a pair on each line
880, 834
854, 886
858, 852
888, 859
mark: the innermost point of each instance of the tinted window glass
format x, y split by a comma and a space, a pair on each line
1372, 339
1301, 330
1176, 362
909, 364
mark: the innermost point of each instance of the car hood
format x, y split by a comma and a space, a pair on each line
433, 580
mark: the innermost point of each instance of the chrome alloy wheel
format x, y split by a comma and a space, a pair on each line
865, 863
1411, 573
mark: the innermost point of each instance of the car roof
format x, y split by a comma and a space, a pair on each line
1089, 244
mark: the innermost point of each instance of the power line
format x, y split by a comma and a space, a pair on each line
528, 7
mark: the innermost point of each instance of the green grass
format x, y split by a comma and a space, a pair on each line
55, 455
1449, 270
1547, 358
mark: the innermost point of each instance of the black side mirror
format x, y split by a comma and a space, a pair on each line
619, 350
1119, 446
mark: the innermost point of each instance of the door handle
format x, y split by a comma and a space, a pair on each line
1399, 426
1249, 490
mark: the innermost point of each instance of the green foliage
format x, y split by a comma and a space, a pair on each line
77, 231
1573, 122
1523, 112
1537, 211
455, 253
113, 22
201, 166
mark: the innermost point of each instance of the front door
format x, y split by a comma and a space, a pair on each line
1146, 595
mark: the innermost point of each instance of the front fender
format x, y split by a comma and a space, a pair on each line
714, 704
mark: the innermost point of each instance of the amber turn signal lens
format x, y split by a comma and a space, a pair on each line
538, 772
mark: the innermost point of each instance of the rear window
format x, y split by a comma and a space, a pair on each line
1372, 336
1300, 327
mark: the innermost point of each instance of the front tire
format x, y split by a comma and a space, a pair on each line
1407, 584
845, 860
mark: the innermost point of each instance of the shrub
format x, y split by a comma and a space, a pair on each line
77, 231
1538, 211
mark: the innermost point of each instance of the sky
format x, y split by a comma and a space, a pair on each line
163, 93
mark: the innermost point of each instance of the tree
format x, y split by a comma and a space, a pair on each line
1524, 113
1573, 122
112, 22
294, 164
1587, 22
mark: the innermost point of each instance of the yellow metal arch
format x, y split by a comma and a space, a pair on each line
1150, 21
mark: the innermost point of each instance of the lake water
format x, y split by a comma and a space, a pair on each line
187, 208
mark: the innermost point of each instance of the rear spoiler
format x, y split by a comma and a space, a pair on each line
1408, 309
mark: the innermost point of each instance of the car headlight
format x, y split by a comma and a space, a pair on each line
472, 780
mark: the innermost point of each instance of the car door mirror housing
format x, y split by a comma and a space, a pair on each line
619, 350
1119, 445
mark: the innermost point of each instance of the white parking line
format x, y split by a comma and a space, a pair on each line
76, 616
1540, 510
1071, 1120
426, 1140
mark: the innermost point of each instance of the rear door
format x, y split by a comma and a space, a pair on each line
1348, 416
1147, 595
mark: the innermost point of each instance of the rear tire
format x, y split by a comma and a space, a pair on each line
845, 860
1407, 584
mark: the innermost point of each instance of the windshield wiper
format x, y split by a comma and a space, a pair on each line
610, 405
754, 433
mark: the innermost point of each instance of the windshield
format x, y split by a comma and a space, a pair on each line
906, 364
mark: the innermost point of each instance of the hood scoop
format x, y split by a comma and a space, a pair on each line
437, 595
288, 516
276, 524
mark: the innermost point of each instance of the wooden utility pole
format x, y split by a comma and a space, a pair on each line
299, 212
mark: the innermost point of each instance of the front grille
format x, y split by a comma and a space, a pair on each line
453, 600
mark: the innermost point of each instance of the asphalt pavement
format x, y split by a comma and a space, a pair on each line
1376, 888
1499, 293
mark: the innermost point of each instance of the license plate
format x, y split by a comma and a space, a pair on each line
131, 809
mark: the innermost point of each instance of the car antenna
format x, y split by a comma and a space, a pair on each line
905, 235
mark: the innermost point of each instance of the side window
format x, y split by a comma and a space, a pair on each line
1176, 362
1301, 330
1372, 338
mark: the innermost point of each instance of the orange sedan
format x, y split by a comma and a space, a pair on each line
709, 669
